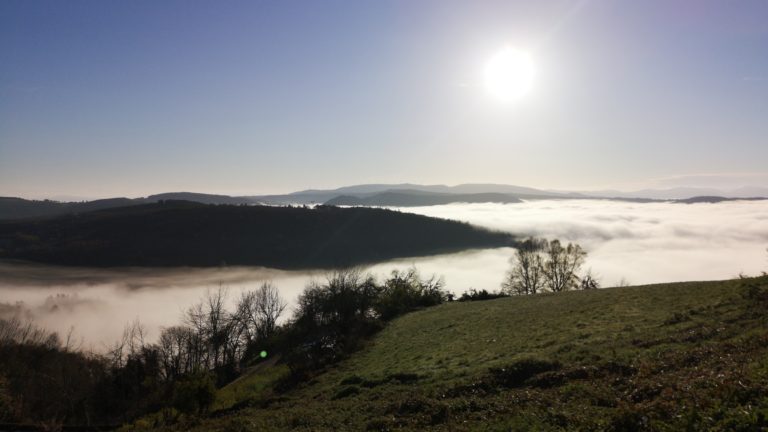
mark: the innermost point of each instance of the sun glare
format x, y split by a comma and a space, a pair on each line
509, 74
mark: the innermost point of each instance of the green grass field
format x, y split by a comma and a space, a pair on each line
662, 357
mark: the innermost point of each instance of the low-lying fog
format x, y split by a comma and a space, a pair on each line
640, 242
637, 242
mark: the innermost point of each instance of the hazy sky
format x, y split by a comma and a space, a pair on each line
105, 98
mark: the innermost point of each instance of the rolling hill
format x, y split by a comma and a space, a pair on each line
312, 196
182, 233
408, 198
683, 356
401, 195
18, 208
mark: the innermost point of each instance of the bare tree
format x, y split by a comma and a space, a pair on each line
220, 338
177, 351
209, 320
562, 265
135, 334
526, 275
259, 311
14, 331
195, 318
131, 343
215, 324
589, 281
272, 307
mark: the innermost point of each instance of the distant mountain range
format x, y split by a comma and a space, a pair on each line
682, 193
316, 196
394, 195
408, 198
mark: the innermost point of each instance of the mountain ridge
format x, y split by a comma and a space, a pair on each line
20, 208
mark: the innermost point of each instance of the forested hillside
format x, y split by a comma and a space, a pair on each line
180, 233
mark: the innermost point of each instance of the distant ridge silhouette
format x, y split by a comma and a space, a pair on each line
404, 195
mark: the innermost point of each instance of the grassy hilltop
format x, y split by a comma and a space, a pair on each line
683, 356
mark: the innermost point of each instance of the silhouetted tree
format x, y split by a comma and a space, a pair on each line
526, 275
176, 346
405, 291
589, 281
562, 265
259, 311
210, 320
541, 265
16, 331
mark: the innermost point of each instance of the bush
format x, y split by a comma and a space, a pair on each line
195, 393
475, 295
404, 291
334, 318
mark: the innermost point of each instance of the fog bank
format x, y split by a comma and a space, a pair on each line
639, 242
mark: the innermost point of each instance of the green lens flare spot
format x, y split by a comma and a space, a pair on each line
263, 354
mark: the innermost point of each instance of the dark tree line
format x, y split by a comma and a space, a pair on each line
42, 379
191, 234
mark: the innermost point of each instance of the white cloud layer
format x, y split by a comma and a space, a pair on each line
642, 243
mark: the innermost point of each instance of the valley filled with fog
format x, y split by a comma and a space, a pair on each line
641, 243
635, 243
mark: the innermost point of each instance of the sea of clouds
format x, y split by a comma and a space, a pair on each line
639, 243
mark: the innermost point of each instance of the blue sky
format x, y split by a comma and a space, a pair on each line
107, 98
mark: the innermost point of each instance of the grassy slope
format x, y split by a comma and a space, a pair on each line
639, 356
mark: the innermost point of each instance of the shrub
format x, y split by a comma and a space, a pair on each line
194, 393
475, 295
404, 291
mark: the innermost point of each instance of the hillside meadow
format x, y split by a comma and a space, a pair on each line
682, 356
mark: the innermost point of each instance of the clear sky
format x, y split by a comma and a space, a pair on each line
107, 98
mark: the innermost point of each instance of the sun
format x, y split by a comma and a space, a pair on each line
509, 74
